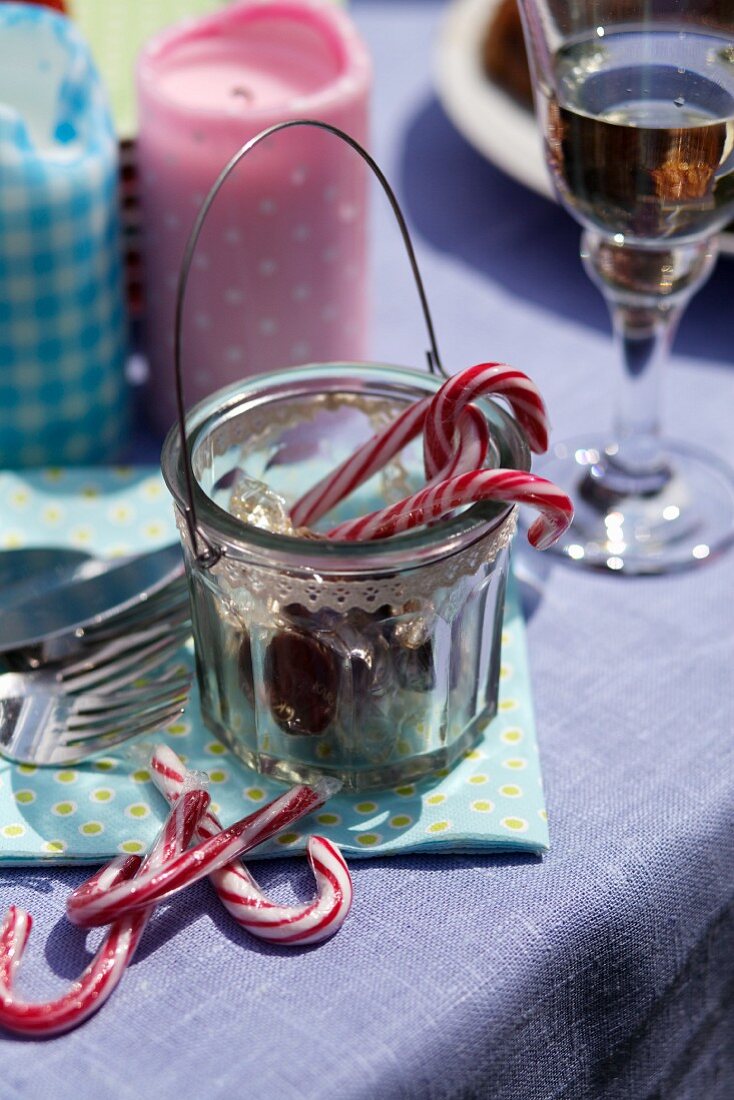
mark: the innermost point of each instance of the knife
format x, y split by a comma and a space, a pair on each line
36, 569
80, 603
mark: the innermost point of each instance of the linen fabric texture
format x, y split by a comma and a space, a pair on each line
604, 970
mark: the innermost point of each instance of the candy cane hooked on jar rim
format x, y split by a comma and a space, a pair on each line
372, 456
434, 501
482, 380
309, 923
90, 906
90, 991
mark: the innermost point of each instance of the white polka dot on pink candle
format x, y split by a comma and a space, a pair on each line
298, 199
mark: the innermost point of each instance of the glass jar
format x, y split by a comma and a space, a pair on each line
375, 662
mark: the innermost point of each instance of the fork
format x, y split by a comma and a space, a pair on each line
65, 715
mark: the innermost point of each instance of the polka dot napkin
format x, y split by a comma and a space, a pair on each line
491, 801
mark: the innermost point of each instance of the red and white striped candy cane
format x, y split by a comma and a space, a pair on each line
455, 394
240, 894
470, 452
471, 446
360, 466
512, 486
90, 991
517, 389
89, 906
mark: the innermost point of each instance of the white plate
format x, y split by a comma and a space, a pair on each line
498, 127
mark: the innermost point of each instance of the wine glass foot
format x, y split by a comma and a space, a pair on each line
680, 516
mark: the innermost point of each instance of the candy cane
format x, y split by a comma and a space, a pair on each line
479, 381
521, 394
432, 502
360, 466
472, 445
241, 896
89, 906
90, 991
471, 451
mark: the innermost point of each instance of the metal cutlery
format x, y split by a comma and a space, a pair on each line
170, 607
36, 567
66, 715
86, 603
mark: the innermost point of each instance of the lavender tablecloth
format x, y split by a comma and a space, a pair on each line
604, 970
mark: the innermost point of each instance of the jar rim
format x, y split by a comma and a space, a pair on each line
236, 539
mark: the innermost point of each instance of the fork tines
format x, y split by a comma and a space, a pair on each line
125, 660
95, 718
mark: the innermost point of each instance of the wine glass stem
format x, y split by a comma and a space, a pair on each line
646, 291
643, 337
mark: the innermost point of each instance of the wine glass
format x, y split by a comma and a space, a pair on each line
635, 99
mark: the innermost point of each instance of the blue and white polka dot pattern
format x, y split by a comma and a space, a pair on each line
491, 801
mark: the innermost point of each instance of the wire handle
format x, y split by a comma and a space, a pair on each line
211, 555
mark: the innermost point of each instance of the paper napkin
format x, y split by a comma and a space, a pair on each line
492, 800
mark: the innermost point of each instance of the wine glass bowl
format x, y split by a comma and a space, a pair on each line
635, 99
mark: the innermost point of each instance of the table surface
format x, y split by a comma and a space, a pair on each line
603, 970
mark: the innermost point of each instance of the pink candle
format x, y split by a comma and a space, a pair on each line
279, 276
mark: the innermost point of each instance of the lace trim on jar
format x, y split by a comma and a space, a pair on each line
271, 584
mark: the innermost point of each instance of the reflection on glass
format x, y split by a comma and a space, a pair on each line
636, 105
